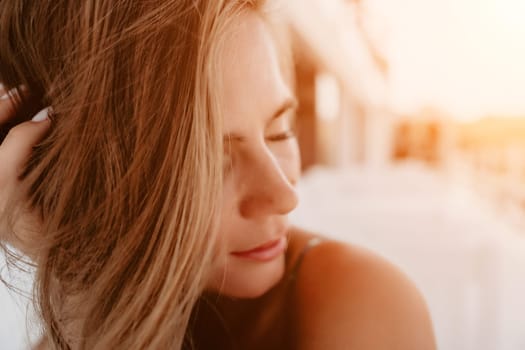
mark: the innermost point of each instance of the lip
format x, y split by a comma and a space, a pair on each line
265, 252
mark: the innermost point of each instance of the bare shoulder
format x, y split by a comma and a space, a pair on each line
349, 298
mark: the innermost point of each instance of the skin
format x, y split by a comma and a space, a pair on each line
341, 297
14, 153
258, 108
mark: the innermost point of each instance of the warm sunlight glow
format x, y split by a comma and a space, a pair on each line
509, 16
466, 57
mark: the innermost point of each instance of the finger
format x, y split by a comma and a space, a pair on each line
7, 108
7, 102
4, 94
17, 146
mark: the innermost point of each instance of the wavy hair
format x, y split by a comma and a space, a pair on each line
128, 180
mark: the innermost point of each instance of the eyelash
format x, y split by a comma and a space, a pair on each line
281, 136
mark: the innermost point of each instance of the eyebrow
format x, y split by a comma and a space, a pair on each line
290, 103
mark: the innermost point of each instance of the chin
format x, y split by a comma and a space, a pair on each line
246, 279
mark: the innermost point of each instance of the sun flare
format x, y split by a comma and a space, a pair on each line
509, 16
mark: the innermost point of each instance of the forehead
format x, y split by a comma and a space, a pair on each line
252, 85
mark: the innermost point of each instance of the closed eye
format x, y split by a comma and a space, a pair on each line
288, 134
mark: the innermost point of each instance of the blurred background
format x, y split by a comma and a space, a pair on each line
412, 132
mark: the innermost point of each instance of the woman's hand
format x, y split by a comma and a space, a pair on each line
15, 150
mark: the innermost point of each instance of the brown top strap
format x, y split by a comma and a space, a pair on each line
312, 242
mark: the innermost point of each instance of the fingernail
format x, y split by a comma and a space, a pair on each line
9, 94
5, 96
42, 115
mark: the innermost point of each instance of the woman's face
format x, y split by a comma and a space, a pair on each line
262, 163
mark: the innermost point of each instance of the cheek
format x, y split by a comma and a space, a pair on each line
229, 218
289, 160
225, 235
227, 208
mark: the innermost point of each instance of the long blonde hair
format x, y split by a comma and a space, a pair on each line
128, 180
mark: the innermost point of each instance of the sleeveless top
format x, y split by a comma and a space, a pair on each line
312, 242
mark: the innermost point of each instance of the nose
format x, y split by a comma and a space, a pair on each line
266, 189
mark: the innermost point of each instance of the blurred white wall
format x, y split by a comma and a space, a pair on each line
464, 256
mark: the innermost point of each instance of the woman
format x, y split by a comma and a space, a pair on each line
159, 194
